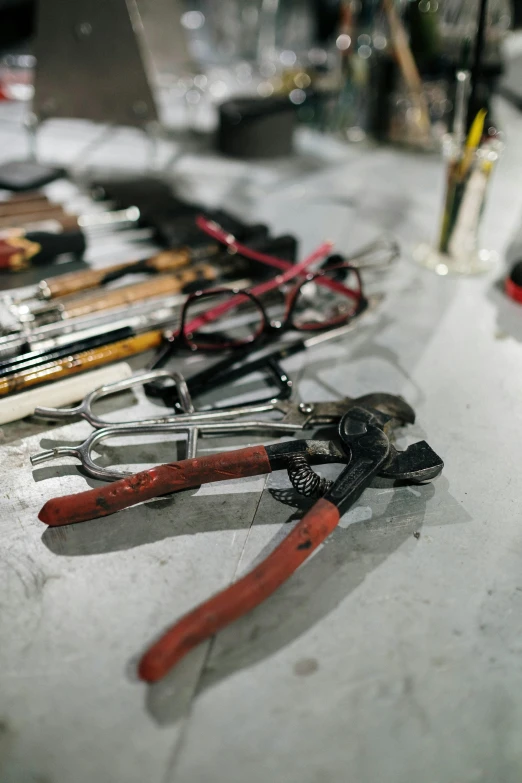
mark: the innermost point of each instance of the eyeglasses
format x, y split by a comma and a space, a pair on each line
378, 255
240, 320
235, 319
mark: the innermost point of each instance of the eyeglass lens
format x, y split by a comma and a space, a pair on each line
237, 325
328, 299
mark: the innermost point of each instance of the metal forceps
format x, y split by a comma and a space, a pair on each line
105, 429
295, 417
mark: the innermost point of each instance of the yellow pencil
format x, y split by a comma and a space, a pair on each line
472, 142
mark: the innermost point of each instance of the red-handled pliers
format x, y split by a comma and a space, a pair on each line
364, 445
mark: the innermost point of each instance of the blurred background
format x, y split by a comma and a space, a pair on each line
337, 62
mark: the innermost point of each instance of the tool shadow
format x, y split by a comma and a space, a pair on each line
508, 313
371, 532
181, 514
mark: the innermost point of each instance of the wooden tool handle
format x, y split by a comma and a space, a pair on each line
86, 360
242, 596
11, 208
126, 295
30, 195
170, 260
119, 297
72, 283
152, 483
38, 215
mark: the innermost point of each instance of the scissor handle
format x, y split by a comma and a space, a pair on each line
151, 483
242, 596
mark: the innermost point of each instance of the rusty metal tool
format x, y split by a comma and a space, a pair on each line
366, 450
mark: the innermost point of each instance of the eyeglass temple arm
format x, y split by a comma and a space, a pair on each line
233, 368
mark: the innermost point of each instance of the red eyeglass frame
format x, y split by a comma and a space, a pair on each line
266, 327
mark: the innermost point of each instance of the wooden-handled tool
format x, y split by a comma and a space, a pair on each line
67, 234
24, 198
161, 285
24, 207
49, 212
87, 360
166, 261
60, 220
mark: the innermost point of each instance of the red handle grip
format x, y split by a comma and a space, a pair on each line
242, 596
16, 251
152, 483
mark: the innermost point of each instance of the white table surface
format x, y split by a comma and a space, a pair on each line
386, 658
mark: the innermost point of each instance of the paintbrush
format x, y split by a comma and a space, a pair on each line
409, 70
87, 360
459, 175
478, 52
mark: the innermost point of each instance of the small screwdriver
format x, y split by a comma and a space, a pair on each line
20, 249
165, 261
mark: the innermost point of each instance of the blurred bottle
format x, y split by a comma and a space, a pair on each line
441, 37
458, 31
459, 22
344, 31
393, 110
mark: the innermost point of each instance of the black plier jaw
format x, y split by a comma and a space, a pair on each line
316, 452
364, 435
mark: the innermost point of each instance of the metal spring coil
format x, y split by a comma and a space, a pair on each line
304, 479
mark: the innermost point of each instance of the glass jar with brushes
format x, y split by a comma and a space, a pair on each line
470, 164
